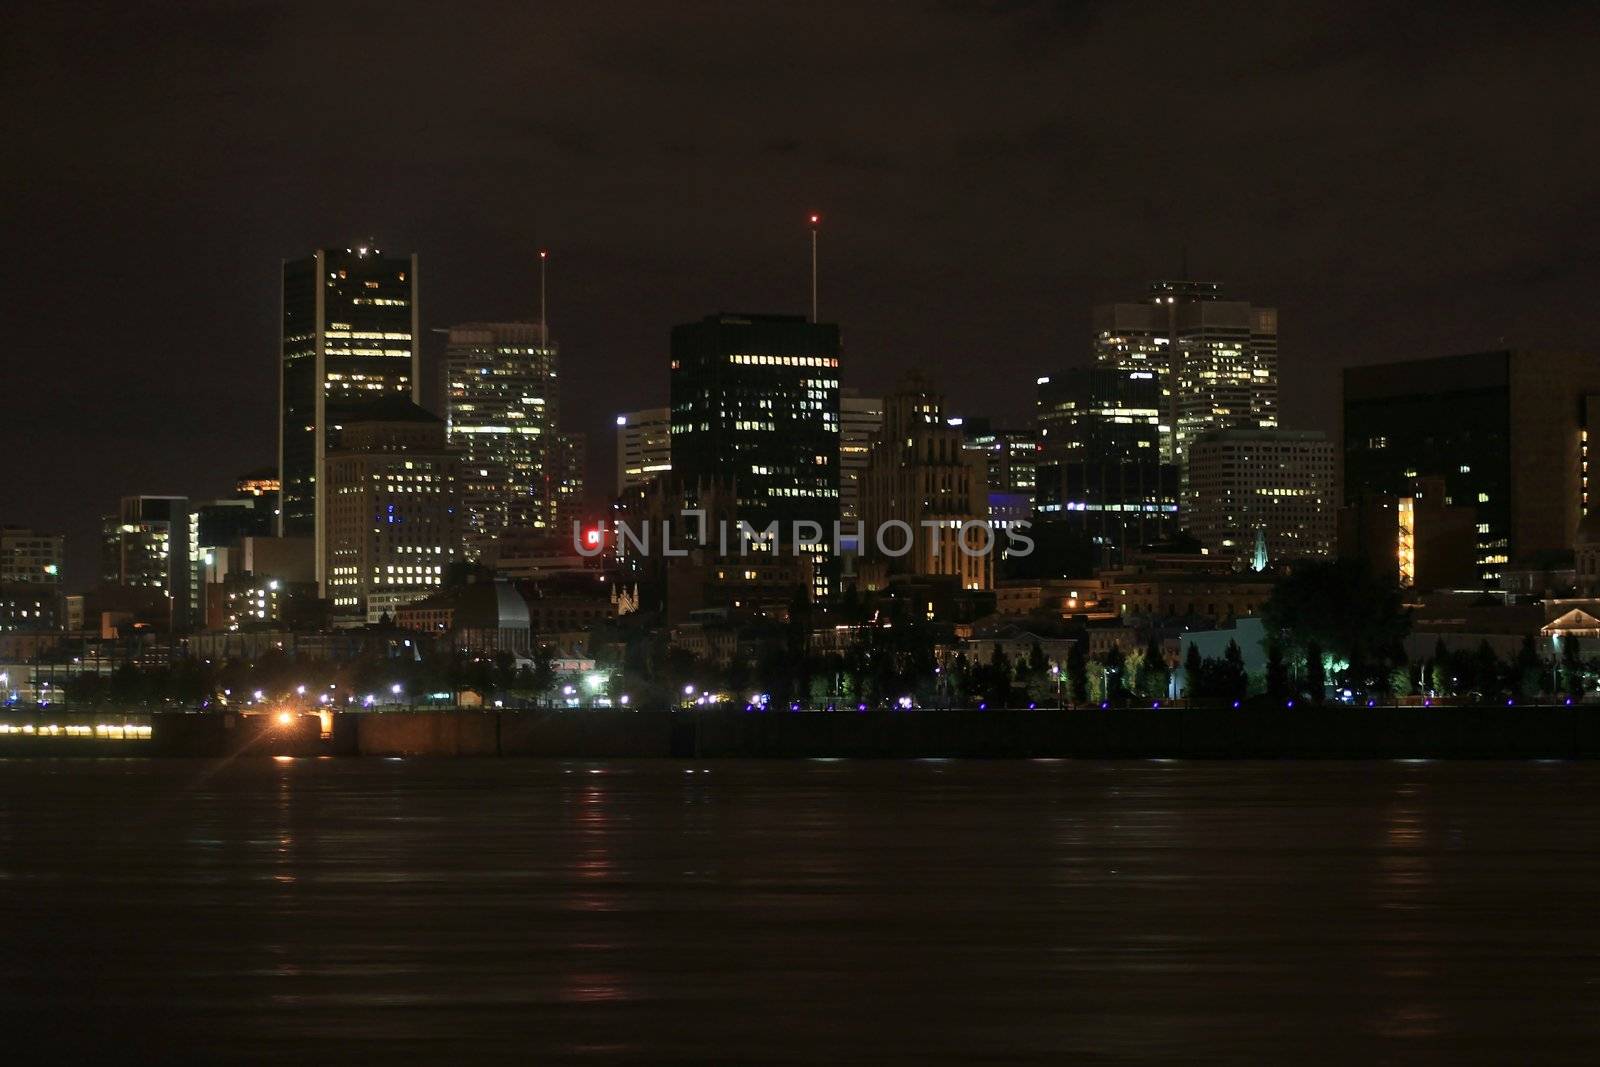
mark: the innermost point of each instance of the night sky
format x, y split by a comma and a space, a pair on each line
1397, 184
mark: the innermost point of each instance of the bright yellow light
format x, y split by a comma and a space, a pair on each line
284, 718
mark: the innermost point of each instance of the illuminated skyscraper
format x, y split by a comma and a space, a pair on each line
644, 447
502, 402
1266, 493
755, 404
1100, 461
860, 420
393, 525
1215, 360
565, 478
920, 474
348, 338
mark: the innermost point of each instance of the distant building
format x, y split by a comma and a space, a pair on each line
1508, 432
145, 545
1215, 360
502, 404
349, 337
216, 526
393, 516
31, 557
1260, 495
1010, 456
860, 420
1415, 538
920, 474
31, 564
644, 446
1100, 470
566, 477
755, 405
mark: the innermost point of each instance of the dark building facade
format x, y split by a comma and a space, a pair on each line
349, 337
1100, 469
755, 404
1506, 432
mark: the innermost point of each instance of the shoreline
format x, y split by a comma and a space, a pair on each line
1328, 732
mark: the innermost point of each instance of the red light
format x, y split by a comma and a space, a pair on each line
815, 219
592, 537
543, 254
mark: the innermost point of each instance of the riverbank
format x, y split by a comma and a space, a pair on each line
1338, 732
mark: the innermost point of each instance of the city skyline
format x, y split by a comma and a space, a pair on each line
1036, 202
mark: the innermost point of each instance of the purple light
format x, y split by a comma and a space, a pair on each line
1290, 704
1155, 704
1372, 703
1235, 703
1509, 702
983, 706
1427, 703
861, 707
1569, 701
1032, 705
1104, 705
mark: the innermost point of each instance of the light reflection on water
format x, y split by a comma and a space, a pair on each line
800, 912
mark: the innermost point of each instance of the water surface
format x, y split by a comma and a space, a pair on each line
800, 912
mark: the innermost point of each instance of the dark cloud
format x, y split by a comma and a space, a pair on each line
1398, 181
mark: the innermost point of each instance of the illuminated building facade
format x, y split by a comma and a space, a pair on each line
393, 517
349, 337
1255, 496
921, 474
30, 579
502, 403
565, 478
29, 557
145, 545
1100, 467
1508, 433
644, 447
860, 421
1215, 361
1011, 456
755, 404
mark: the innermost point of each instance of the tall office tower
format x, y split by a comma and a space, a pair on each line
1509, 433
644, 447
28, 557
755, 403
1215, 360
860, 420
349, 338
502, 403
393, 525
1256, 496
565, 479
1101, 468
919, 473
145, 545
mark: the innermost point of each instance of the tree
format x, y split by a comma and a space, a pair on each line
1193, 673
1316, 678
1078, 674
1114, 665
1345, 609
1235, 679
1277, 673
1572, 665
1528, 679
1152, 677
1486, 671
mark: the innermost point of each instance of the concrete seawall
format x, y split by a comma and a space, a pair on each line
1524, 732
